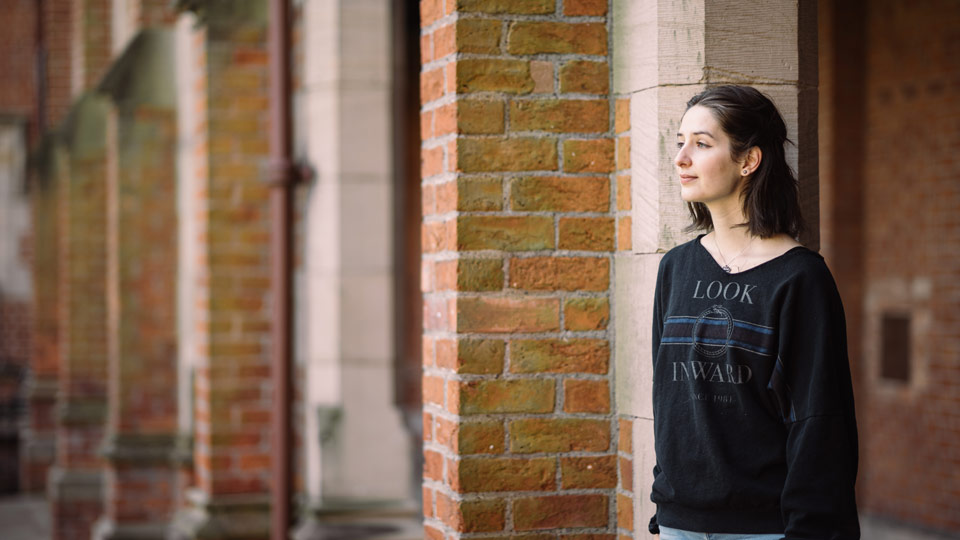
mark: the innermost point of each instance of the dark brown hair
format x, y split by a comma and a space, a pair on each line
771, 199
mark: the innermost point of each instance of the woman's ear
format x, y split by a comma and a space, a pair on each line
751, 160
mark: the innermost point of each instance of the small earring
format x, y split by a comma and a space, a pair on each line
746, 172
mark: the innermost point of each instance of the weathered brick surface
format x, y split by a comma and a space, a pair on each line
560, 511
559, 356
586, 313
589, 472
531, 435
499, 203
560, 194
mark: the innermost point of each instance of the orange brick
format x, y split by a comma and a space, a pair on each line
480, 356
559, 194
624, 201
507, 474
444, 41
585, 77
430, 11
594, 155
508, 154
587, 234
480, 438
542, 74
433, 389
515, 7
427, 502
446, 194
560, 511
530, 435
432, 465
537, 37
624, 512
589, 472
559, 115
626, 436
506, 396
445, 119
584, 314
431, 85
479, 117
577, 8
586, 396
481, 36
479, 194
432, 533
623, 153
507, 233
625, 234
560, 356
626, 473
431, 162
622, 115
560, 273
493, 75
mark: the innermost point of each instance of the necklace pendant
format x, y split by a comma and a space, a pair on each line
726, 268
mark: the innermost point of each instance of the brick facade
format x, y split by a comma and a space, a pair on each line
518, 156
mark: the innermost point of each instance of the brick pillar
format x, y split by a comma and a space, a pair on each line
141, 286
518, 236
666, 53
39, 391
75, 490
232, 319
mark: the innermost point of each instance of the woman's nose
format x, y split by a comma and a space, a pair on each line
681, 158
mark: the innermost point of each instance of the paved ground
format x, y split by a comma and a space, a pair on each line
26, 518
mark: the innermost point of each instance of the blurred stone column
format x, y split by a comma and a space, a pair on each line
75, 485
664, 53
141, 289
229, 237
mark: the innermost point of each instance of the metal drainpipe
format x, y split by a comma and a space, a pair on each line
283, 175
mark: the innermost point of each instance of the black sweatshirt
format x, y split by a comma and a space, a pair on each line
752, 399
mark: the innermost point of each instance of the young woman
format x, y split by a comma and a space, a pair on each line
753, 406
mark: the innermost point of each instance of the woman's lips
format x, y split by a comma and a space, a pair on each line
686, 178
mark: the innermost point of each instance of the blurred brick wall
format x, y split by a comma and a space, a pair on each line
890, 141
912, 258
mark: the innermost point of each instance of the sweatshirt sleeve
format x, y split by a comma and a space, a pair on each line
812, 385
656, 333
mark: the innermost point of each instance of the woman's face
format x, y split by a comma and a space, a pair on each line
707, 172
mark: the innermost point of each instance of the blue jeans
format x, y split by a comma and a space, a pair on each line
666, 533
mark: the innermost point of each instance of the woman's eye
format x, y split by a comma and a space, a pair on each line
702, 145
679, 145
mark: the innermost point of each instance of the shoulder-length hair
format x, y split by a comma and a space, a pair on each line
770, 198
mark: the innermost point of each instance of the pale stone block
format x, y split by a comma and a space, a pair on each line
659, 214
366, 314
321, 321
366, 226
321, 42
365, 42
373, 447
636, 277
323, 389
322, 253
644, 458
751, 43
364, 136
322, 108
634, 45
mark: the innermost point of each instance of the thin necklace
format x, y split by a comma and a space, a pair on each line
726, 265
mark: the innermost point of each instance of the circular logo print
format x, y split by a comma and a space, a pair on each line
712, 331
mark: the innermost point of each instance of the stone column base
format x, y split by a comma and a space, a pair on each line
360, 519
76, 501
107, 529
227, 517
